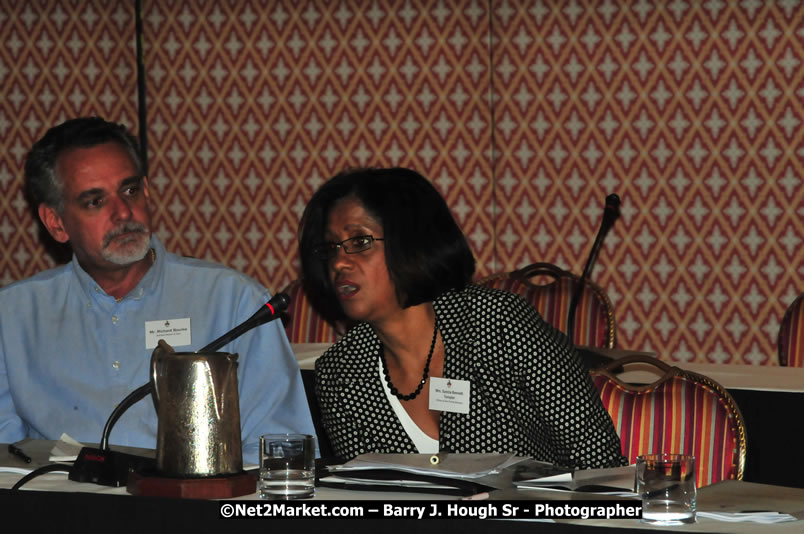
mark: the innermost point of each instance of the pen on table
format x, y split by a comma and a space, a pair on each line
16, 451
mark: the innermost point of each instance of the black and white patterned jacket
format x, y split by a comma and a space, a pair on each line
529, 392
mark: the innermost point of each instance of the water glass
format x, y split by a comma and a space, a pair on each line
666, 483
287, 466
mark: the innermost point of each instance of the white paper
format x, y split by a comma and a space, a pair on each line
619, 479
65, 450
450, 465
24, 470
380, 482
176, 332
766, 518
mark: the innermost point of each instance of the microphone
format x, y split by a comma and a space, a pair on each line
272, 309
611, 212
110, 468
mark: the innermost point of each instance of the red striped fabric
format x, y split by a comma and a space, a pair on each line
678, 415
791, 335
552, 302
302, 323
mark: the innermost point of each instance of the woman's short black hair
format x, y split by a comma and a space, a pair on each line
425, 250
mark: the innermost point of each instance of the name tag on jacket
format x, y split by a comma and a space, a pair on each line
448, 395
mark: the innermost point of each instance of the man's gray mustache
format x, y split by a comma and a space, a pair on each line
131, 227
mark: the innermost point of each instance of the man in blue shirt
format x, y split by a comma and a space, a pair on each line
75, 340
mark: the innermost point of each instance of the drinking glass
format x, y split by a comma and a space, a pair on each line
287, 466
666, 483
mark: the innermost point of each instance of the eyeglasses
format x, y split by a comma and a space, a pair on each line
353, 245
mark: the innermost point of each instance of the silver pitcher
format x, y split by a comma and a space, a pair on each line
196, 400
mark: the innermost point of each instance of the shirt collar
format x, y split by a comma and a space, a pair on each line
147, 285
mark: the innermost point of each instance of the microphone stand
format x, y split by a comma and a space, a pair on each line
91, 465
610, 214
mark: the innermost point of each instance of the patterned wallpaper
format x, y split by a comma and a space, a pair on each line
524, 114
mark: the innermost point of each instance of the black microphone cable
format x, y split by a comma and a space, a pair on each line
39, 471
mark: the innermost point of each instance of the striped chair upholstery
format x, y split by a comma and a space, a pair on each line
681, 412
302, 323
549, 289
791, 335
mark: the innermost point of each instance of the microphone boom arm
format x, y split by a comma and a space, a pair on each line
610, 214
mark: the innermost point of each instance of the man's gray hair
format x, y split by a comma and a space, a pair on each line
42, 183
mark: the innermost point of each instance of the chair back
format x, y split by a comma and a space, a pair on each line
549, 289
303, 324
681, 412
791, 335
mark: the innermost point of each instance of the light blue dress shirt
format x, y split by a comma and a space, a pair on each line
69, 353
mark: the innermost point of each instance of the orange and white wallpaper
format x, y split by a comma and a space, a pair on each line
524, 114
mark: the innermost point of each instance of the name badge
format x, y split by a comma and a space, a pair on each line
447, 395
176, 332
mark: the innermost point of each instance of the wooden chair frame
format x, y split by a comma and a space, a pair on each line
611, 370
783, 339
525, 274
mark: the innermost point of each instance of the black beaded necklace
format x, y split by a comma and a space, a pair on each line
426, 373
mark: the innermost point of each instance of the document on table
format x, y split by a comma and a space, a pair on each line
42, 452
462, 474
765, 518
611, 481
66, 449
448, 465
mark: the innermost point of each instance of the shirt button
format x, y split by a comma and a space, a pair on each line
116, 365
114, 319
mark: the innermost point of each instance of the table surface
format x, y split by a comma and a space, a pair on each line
730, 376
730, 496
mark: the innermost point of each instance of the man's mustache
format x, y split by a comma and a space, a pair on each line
129, 227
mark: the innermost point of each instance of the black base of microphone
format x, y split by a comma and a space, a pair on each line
107, 467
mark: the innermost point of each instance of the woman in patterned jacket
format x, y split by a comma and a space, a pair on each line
433, 362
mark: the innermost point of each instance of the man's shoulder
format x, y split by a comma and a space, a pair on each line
43, 280
208, 272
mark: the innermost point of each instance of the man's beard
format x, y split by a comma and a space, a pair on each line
130, 250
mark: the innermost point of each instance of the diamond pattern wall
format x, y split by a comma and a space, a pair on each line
57, 60
691, 111
524, 114
253, 105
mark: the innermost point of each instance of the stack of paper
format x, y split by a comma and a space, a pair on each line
612, 481
461, 473
443, 464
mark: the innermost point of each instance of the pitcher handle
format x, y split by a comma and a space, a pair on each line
161, 346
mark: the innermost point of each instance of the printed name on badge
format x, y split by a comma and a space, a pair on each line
176, 332
449, 395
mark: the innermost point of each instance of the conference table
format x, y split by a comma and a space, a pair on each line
764, 395
54, 502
